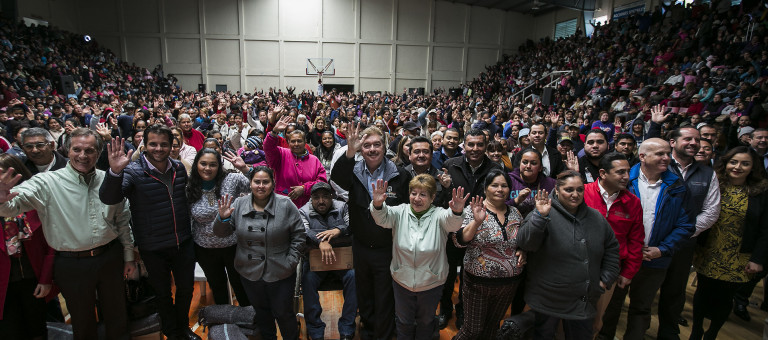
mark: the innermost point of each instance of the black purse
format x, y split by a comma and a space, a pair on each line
140, 297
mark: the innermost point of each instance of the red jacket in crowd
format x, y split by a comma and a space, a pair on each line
626, 219
38, 252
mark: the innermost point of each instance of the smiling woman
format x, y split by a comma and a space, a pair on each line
419, 266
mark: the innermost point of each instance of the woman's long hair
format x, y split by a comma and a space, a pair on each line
756, 180
10, 161
195, 182
327, 152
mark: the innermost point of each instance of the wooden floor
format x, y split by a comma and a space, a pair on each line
735, 328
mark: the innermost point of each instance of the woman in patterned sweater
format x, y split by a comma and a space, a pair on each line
493, 262
207, 182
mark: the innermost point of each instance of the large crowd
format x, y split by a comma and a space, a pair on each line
648, 157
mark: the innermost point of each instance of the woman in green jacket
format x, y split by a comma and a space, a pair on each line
419, 264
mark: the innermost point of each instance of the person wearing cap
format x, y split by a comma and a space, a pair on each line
296, 170
252, 152
523, 141
326, 222
208, 181
564, 145
410, 128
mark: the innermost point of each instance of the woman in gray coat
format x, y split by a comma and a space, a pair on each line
573, 256
270, 242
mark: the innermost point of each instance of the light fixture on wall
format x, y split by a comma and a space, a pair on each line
87, 38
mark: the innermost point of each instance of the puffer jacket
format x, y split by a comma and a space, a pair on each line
160, 214
568, 256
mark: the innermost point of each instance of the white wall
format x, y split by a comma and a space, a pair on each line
246, 44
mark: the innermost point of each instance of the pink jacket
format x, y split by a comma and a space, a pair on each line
291, 170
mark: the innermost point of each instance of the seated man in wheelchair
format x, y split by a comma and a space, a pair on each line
326, 222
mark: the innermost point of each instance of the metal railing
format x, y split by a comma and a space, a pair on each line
554, 78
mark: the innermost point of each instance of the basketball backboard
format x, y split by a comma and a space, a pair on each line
320, 67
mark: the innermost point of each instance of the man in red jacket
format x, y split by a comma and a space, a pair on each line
623, 210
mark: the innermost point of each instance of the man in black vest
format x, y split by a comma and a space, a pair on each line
702, 201
372, 244
468, 172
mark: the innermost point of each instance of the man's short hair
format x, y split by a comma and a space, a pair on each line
596, 131
476, 133
606, 163
372, 130
421, 139
36, 132
84, 132
677, 133
159, 129
624, 136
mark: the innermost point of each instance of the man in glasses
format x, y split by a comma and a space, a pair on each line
39, 147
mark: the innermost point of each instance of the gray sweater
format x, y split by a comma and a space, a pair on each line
568, 256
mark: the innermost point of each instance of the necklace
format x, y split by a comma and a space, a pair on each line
211, 198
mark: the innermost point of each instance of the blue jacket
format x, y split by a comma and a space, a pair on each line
159, 214
671, 225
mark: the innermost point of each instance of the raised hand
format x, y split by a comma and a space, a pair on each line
554, 118
225, 206
282, 124
236, 161
354, 143
457, 200
379, 193
104, 131
572, 162
118, 159
657, 114
478, 208
444, 179
543, 203
7, 181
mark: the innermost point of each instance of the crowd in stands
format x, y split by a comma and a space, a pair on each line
649, 157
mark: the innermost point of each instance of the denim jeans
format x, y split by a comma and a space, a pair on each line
312, 309
415, 312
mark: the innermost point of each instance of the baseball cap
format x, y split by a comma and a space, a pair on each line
523, 133
129, 105
410, 126
564, 139
746, 130
320, 186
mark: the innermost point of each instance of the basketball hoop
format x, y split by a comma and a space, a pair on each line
320, 67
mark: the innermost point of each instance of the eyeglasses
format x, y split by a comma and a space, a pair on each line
32, 146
